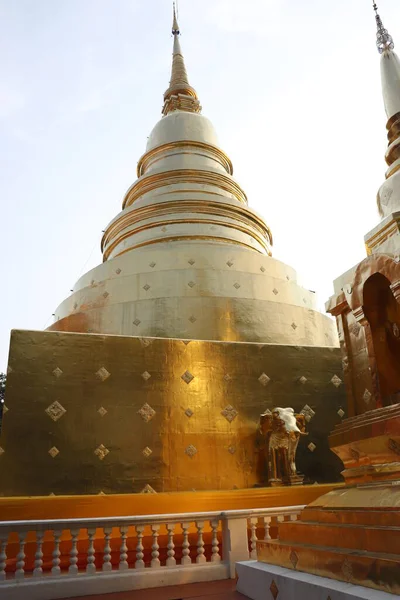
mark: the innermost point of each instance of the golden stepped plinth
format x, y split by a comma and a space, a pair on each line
352, 533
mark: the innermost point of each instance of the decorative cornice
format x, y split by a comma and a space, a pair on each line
220, 209
185, 145
149, 183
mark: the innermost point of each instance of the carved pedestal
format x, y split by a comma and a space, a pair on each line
352, 533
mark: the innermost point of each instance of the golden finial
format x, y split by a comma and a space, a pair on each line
180, 95
384, 41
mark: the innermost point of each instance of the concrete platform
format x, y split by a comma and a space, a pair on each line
212, 590
260, 581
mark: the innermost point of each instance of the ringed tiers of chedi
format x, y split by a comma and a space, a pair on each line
187, 257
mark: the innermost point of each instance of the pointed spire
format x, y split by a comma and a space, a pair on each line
384, 40
180, 95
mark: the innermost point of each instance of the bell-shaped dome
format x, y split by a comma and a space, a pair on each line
182, 126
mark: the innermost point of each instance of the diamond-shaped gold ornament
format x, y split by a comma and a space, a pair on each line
102, 411
229, 413
147, 452
5, 409
337, 382
191, 450
303, 380
1, 450
311, 446
187, 377
53, 452
57, 372
189, 413
146, 412
341, 413
101, 452
55, 411
102, 374
264, 379
148, 490
294, 559
146, 375
308, 412
274, 590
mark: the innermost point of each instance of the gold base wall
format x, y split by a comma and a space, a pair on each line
92, 413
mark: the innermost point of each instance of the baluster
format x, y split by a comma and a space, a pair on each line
139, 564
107, 565
56, 554
171, 561
186, 560
155, 561
215, 555
38, 571
279, 519
3, 555
267, 526
200, 558
91, 567
73, 555
293, 517
123, 556
253, 539
20, 572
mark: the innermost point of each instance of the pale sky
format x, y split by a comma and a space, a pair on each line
293, 89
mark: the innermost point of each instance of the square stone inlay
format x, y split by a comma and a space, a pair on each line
189, 413
341, 413
187, 377
101, 452
337, 382
229, 413
192, 319
137, 322
191, 450
275, 291
147, 452
102, 374
367, 396
308, 412
311, 446
146, 287
57, 372
146, 375
102, 411
53, 452
191, 284
236, 285
262, 269
146, 412
55, 411
264, 379
118, 271
294, 326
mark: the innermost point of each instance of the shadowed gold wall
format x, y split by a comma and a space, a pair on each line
91, 413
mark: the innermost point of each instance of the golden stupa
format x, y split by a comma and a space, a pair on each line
157, 367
